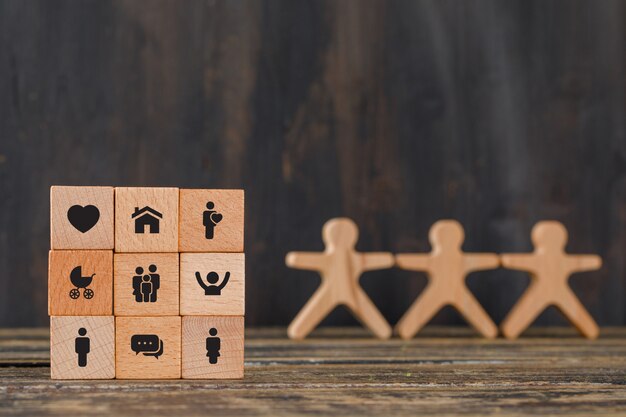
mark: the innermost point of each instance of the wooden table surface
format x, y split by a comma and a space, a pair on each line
444, 371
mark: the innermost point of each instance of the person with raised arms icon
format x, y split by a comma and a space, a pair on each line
212, 278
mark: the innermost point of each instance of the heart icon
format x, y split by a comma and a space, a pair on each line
83, 218
217, 217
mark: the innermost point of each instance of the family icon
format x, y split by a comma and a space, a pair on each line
145, 287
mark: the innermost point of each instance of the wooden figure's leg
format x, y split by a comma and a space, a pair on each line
370, 316
524, 312
577, 314
313, 312
420, 312
476, 315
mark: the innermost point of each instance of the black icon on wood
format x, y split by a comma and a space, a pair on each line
212, 278
210, 219
79, 282
82, 347
213, 346
148, 344
146, 217
83, 218
145, 287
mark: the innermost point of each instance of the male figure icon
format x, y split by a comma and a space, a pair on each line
213, 345
82, 347
210, 219
212, 278
137, 282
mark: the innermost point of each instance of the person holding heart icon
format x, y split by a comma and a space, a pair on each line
210, 219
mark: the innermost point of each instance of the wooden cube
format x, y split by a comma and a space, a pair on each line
82, 347
212, 284
147, 347
81, 217
211, 220
146, 219
80, 283
146, 284
213, 347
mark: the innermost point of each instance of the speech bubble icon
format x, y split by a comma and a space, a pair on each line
148, 344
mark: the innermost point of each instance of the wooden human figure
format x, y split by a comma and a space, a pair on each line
446, 266
340, 267
550, 268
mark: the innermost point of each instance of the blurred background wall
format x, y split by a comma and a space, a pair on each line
394, 113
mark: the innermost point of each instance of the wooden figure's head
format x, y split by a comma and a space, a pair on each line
446, 234
549, 234
340, 232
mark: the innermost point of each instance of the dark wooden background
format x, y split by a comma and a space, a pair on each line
395, 113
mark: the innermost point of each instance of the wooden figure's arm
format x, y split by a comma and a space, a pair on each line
584, 262
413, 261
520, 261
481, 261
312, 261
377, 260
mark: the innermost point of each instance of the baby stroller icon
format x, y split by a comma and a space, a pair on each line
80, 282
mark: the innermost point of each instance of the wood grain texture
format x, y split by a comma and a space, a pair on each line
340, 267
227, 234
194, 300
447, 267
100, 360
195, 361
444, 371
550, 269
164, 201
63, 235
167, 301
67, 299
135, 365
393, 113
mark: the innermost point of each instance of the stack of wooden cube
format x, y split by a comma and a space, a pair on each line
146, 283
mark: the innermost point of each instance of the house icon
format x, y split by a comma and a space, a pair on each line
146, 217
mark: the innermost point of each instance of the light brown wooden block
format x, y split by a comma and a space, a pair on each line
146, 219
147, 347
146, 284
217, 227
93, 337
215, 296
340, 267
81, 217
213, 347
549, 268
446, 266
80, 283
